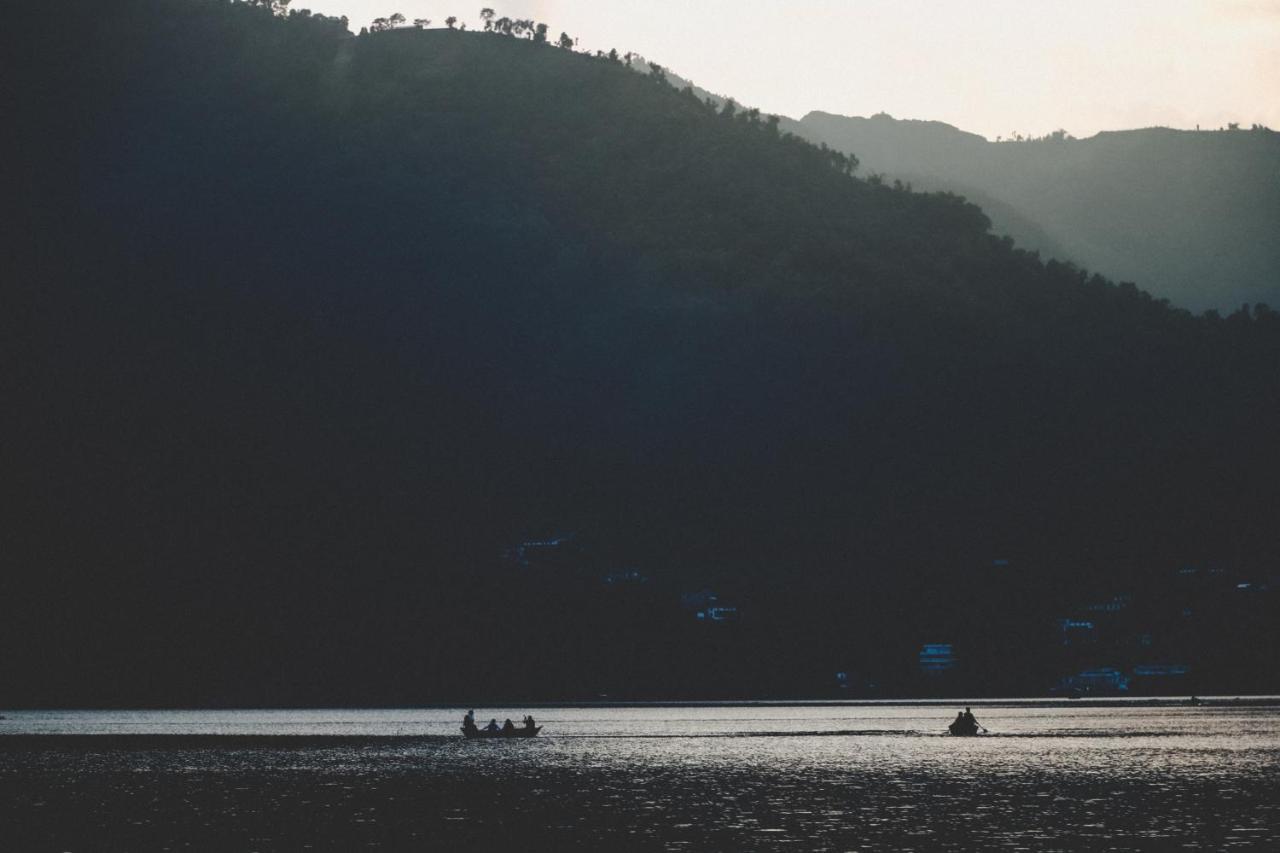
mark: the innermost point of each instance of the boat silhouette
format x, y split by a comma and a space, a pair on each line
519, 731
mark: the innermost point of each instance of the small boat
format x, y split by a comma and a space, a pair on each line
958, 729
519, 731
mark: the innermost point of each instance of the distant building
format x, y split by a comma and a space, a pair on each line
720, 613
1167, 670
534, 551
1163, 678
1076, 632
1201, 575
937, 658
1104, 681
707, 606
1112, 605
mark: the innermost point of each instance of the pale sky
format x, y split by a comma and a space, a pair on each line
988, 66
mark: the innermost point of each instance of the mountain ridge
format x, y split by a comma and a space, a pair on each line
309, 329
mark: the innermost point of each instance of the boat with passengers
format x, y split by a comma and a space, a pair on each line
528, 728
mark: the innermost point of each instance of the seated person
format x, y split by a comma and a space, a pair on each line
961, 725
528, 722
493, 725
508, 727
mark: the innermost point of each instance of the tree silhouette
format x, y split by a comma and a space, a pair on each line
540, 34
565, 41
422, 23
277, 7
390, 22
486, 15
451, 21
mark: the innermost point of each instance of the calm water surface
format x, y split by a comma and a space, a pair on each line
798, 777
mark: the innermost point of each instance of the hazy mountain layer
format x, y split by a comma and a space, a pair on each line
1189, 216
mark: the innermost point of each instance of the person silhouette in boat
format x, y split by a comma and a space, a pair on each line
964, 723
469, 722
529, 724
493, 725
508, 728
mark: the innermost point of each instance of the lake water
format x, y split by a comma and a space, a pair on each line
753, 777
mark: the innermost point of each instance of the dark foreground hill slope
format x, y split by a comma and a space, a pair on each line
1189, 216
306, 329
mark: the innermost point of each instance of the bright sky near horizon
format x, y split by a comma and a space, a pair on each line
993, 67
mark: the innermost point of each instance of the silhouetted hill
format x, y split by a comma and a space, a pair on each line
1189, 216
305, 330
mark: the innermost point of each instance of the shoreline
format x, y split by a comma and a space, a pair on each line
1006, 702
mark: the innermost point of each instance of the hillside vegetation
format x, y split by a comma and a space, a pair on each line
305, 329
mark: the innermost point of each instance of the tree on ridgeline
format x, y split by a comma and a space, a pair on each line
540, 34
565, 42
277, 7
392, 21
422, 23
486, 15
451, 22
657, 72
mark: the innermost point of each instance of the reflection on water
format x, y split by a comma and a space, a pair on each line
733, 778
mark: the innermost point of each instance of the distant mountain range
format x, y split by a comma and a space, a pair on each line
1190, 216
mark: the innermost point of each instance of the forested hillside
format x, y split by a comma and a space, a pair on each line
1188, 215
303, 330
